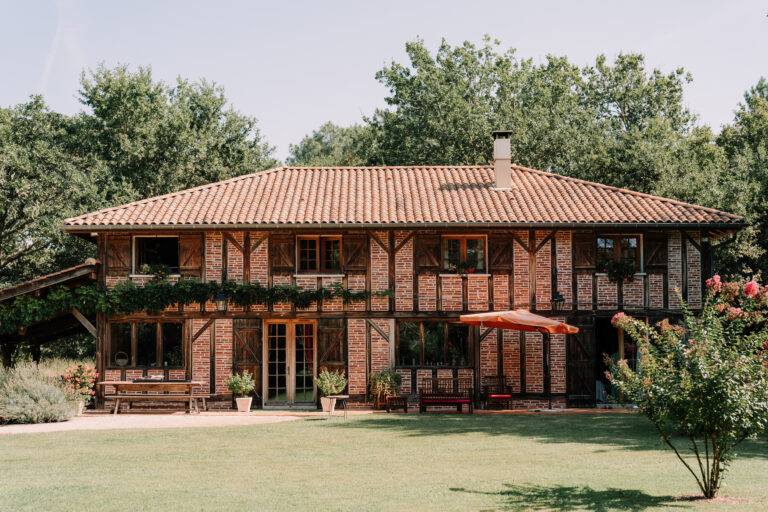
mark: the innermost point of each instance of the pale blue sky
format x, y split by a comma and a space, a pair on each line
295, 65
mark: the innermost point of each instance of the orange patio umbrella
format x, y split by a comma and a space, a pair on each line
524, 320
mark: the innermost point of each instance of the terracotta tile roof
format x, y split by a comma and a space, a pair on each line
389, 196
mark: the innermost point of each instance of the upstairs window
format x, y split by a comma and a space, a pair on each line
153, 253
464, 253
619, 248
320, 254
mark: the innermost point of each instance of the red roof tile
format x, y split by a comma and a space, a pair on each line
388, 196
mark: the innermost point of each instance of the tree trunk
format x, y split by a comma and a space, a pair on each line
35, 350
7, 350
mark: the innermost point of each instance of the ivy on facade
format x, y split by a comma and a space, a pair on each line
158, 294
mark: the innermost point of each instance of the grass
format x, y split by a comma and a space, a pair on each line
376, 462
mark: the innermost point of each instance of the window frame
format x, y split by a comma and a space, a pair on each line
617, 237
320, 257
158, 344
463, 250
135, 272
447, 322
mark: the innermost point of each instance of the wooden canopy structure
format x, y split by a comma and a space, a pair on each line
62, 325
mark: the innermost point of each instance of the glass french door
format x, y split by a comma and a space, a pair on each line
290, 355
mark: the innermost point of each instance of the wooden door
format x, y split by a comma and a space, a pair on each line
248, 351
291, 362
331, 344
581, 352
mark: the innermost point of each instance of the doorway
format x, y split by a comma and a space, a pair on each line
613, 342
290, 353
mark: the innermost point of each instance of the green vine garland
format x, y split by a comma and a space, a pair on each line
156, 295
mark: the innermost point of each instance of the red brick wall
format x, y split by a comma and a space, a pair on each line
356, 355
477, 292
260, 258
674, 269
379, 347
520, 270
213, 256
534, 377
356, 283
558, 361
543, 272
501, 292
656, 290
281, 280
201, 354
452, 292
488, 356
404, 273
224, 360
427, 292
333, 304
607, 293
584, 284
307, 283
694, 272
564, 264
380, 271
511, 362
235, 257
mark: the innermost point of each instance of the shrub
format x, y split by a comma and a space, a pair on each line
79, 380
331, 382
386, 382
28, 396
705, 385
241, 383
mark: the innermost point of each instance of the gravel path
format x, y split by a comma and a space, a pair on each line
174, 420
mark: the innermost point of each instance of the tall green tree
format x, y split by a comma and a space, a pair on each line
157, 138
332, 145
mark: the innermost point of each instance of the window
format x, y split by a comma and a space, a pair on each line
146, 344
156, 251
464, 252
319, 253
619, 248
433, 344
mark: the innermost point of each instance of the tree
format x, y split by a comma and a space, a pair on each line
158, 139
706, 381
40, 183
331, 145
618, 124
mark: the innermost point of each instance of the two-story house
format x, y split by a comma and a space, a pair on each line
443, 240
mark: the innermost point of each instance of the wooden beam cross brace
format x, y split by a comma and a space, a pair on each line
202, 329
86, 323
377, 329
405, 241
234, 242
543, 242
376, 239
258, 243
686, 236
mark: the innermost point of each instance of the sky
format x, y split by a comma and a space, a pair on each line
295, 65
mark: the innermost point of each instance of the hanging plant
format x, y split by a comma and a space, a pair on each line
618, 271
158, 294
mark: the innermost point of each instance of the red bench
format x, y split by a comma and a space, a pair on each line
435, 391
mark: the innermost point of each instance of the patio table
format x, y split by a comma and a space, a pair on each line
160, 390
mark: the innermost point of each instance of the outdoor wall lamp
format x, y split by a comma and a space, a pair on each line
221, 303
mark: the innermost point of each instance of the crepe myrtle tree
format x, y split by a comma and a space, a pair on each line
703, 384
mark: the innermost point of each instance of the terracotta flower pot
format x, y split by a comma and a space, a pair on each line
243, 403
328, 404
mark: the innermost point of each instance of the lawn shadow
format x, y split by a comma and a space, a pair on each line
624, 431
561, 497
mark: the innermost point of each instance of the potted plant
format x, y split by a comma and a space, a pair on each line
330, 383
241, 384
383, 384
80, 379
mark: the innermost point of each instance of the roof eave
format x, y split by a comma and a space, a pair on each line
79, 229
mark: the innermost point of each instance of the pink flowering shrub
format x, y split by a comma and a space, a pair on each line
80, 380
704, 385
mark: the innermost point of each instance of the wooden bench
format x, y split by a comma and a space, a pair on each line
496, 391
435, 391
397, 402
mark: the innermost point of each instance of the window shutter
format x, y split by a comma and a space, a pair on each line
118, 255
584, 251
655, 251
428, 253
355, 252
331, 344
281, 253
501, 254
191, 255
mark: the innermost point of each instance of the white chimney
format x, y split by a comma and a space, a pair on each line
502, 159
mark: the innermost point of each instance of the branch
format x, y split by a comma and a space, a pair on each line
665, 437
4, 262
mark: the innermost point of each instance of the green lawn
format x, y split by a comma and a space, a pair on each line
375, 462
